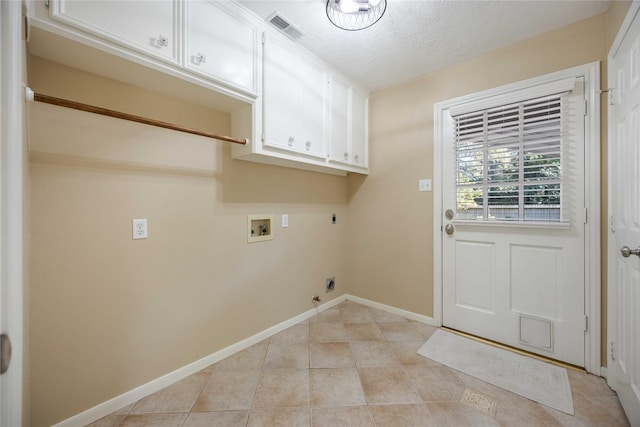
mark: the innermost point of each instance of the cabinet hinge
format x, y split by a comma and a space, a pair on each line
264, 38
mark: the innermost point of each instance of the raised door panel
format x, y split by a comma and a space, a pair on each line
313, 109
358, 123
281, 96
150, 27
339, 134
221, 45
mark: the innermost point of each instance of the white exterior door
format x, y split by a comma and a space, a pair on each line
624, 207
513, 253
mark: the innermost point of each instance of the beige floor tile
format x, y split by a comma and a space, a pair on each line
217, 419
387, 385
600, 411
415, 415
373, 353
330, 355
108, 421
282, 417
435, 383
407, 331
356, 315
424, 329
583, 384
249, 359
333, 331
341, 416
287, 356
525, 413
282, 388
227, 391
178, 397
406, 353
153, 420
335, 387
298, 333
329, 315
456, 414
382, 316
363, 332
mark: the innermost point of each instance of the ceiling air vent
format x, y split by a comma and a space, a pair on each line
284, 26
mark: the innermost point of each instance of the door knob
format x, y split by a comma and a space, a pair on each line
627, 252
449, 229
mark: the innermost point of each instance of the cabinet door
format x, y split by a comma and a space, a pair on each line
358, 122
339, 134
313, 109
281, 96
220, 45
147, 26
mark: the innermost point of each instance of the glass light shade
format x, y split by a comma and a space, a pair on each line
354, 15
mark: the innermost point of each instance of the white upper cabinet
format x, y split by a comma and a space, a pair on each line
294, 101
221, 44
151, 27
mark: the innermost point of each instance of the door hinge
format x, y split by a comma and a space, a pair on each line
264, 38
586, 214
611, 102
46, 4
586, 107
586, 323
612, 224
613, 351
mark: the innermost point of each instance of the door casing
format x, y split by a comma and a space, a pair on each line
591, 74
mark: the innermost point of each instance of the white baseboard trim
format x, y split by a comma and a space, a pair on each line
390, 309
110, 406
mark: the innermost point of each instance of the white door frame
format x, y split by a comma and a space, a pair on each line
591, 74
12, 206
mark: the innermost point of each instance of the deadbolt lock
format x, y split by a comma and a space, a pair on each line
448, 214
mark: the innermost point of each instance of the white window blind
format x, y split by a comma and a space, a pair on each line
510, 160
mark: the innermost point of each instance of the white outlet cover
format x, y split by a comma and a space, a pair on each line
285, 221
424, 185
140, 228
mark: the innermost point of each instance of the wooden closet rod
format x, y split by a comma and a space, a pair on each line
119, 115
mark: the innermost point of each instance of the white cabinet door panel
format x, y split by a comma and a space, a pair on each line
148, 26
313, 107
358, 122
339, 117
220, 45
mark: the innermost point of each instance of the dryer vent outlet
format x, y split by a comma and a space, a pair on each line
330, 284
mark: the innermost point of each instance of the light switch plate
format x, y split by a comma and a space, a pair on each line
285, 221
424, 185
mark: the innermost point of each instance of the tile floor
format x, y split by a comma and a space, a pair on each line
353, 366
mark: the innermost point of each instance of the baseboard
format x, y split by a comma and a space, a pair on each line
390, 309
110, 406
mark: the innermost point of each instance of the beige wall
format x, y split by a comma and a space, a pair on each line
108, 313
390, 234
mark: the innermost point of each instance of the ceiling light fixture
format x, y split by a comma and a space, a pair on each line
354, 15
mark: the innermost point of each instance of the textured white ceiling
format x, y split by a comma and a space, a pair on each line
415, 37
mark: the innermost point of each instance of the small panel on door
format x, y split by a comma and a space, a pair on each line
475, 275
